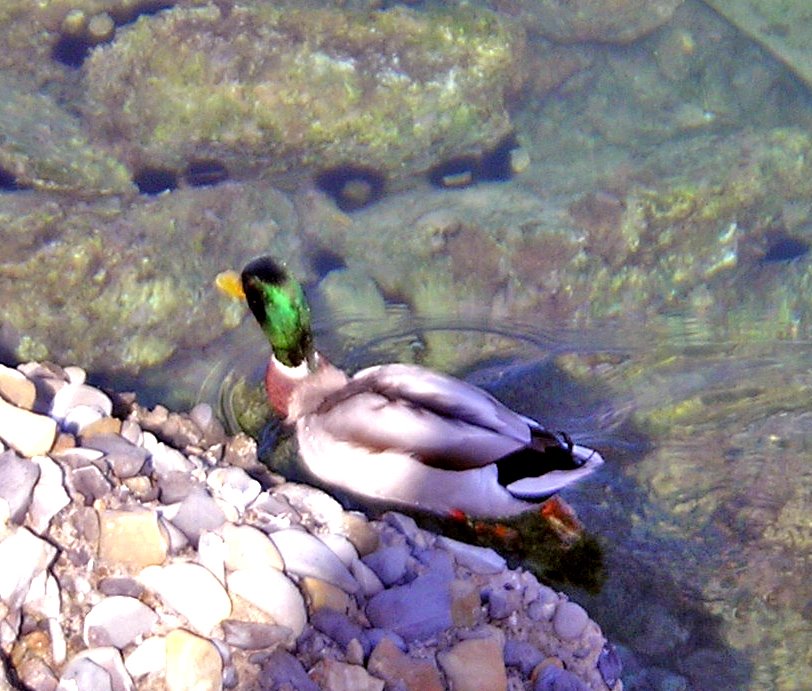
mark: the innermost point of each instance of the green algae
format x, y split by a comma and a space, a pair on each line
278, 88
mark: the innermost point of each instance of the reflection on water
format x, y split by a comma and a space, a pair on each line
703, 505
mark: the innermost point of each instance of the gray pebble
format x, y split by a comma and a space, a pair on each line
388, 563
522, 655
175, 486
17, 479
90, 482
306, 555
49, 496
406, 526
417, 610
125, 459
85, 674
281, 668
73, 395
198, 512
79, 417
502, 602
479, 559
555, 679
369, 582
234, 486
609, 664
339, 627
249, 635
131, 431
117, 621
569, 620
120, 585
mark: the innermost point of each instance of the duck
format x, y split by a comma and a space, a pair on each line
397, 435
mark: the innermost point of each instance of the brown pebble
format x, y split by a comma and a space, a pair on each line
321, 595
16, 388
131, 538
475, 665
399, 670
105, 425
466, 605
544, 664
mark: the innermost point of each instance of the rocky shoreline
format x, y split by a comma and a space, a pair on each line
147, 549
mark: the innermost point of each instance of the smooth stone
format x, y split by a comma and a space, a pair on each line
211, 554
609, 664
356, 528
465, 603
18, 476
175, 486
131, 431
106, 658
125, 459
400, 671
340, 676
192, 662
569, 620
84, 674
305, 555
117, 621
131, 538
502, 602
197, 513
309, 501
191, 590
102, 426
43, 597
30, 434
272, 592
73, 395
30, 555
16, 388
407, 526
49, 496
80, 418
337, 626
369, 583
321, 594
35, 673
482, 560
282, 670
250, 635
75, 374
388, 563
235, 486
522, 655
149, 657
164, 459
90, 482
414, 611
247, 547
475, 664
115, 585
553, 678
340, 546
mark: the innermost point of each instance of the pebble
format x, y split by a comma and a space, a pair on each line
479, 559
252, 635
49, 496
16, 388
305, 555
117, 621
474, 665
272, 592
103, 666
30, 556
30, 434
569, 620
75, 395
90, 482
280, 668
18, 476
125, 459
368, 582
131, 539
245, 547
191, 590
235, 486
149, 657
388, 563
340, 676
192, 662
197, 513
323, 595
553, 678
399, 670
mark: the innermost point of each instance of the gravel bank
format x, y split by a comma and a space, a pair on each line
147, 549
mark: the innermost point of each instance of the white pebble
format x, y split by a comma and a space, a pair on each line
148, 657
570, 620
306, 555
30, 556
117, 620
30, 434
49, 496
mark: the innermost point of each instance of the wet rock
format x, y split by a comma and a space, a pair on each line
16, 388
247, 547
399, 670
90, 482
281, 668
192, 662
131, 539
570, 620
197, 513
30, 556
388, 563
271, 592
250, 635
125, 459
305, 555
117, 621
191, 590
30, 434
17, 479
340, 676
474, 665
481, 560
416, 610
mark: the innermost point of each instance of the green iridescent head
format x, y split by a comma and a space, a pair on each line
277, 301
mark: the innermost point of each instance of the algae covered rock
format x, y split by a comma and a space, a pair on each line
121, 288
611, 21
270, 88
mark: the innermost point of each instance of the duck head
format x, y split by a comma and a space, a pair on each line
277, 301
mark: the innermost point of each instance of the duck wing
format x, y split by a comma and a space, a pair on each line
440, 420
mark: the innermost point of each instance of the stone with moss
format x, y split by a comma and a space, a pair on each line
270, 89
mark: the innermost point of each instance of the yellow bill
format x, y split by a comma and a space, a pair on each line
230, 283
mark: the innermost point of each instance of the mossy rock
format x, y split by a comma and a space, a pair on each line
270, 89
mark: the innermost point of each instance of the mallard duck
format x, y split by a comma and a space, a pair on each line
401, 435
